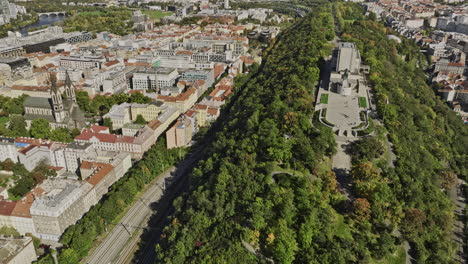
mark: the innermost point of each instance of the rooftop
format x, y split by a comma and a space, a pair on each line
79, 145
9, 248
100, 170
58, 195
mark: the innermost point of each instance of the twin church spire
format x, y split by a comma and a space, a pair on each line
56, 96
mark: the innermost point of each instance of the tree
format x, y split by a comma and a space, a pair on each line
19, 169
139, 98
365, 171
69, 256
75, 132
448, 180
107, 123
140, 120
40, 128
22, 186
18, 126
368, 148
62, 135
8, 165
413, 223
361, 209
14, 105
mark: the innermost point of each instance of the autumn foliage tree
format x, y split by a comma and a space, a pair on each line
361, 209
448, 179
413, 223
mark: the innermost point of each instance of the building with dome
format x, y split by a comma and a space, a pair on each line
60, 112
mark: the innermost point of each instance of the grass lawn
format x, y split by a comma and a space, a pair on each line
362, 102
156, 14
324, 99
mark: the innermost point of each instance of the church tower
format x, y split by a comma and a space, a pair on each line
69, 88
57, 102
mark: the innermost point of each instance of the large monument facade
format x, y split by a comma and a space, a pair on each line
348, 69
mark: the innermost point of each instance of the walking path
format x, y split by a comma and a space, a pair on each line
341, 165
458, 236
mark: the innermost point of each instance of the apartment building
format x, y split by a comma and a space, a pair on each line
82, 62
8, 149
206, 75
17, 250
447, 66
115, 83
126, 113
76, 152
11, 51
144, 80
181, 102
60, 206
180, 134
102, 139
33, 155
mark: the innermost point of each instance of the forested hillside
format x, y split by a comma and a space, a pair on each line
429, 139
241, 197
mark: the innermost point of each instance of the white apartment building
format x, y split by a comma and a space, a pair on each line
76, 152
8, 149
17, 250
32, 155
154, 78
102, 139
115, 82
166, 76
82, 62
63, 203
175, 61
144, 80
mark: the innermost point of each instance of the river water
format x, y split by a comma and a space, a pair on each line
43, 21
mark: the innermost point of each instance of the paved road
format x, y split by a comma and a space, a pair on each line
341, 165
116, 245
110, 249
146, 253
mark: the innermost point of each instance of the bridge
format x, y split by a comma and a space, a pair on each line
47, 14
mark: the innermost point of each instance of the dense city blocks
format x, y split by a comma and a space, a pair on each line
233, 131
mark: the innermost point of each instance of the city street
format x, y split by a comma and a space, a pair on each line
117, 239
119, 243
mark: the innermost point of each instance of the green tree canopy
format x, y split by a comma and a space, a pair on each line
18, 126
140, 120
40, 128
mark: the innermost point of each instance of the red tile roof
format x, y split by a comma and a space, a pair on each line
213, 111
101, 133
201, 107
154, 124
190, 113
101, 170
110, 63
184, 52
6, 207
218, 70
23, 206
25, 150
180, 97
